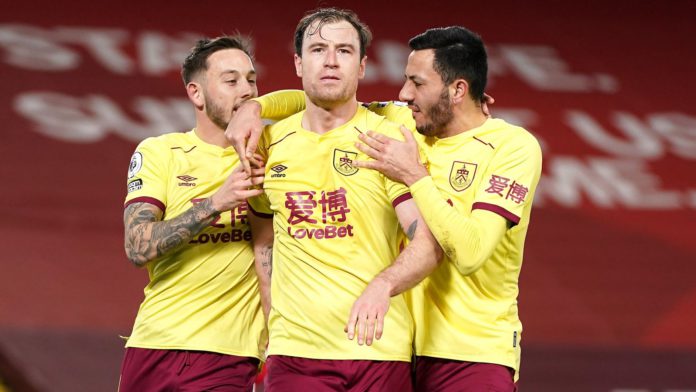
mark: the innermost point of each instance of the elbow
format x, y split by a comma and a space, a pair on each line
467, 268
465, 262
137, 259
138, 262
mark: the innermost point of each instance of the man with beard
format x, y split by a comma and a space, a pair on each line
200, 325
333, 241
475, 192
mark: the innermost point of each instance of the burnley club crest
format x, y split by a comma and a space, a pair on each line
343, 162
462, 175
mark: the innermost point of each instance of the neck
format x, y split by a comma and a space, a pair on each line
321, 118
209, 132
466, 118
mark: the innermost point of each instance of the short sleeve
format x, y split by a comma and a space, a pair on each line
147, 181
396, 191
260, 206
508, 184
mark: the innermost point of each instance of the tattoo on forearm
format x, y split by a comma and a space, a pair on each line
148, 238
267, 260
411, 231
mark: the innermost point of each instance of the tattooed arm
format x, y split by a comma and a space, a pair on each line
148, 237
262, 238
418, 259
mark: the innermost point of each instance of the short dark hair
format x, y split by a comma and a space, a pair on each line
332, 15
459, 53
197, 59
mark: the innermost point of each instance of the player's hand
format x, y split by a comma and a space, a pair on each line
244, 131
368, 311
395, 159
256, 161
238, 187
487, 100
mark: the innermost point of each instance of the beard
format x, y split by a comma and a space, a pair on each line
216, 114
440, 114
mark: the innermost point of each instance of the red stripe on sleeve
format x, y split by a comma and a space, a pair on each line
259, 214
145, 199
498, 210
401, 199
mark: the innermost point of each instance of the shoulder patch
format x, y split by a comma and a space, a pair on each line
136, 164
135, 185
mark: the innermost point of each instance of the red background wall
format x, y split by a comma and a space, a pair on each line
607, 87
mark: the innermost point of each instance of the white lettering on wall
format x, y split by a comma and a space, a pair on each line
606, 183
650, 139
32, 48
542, 68
89, 119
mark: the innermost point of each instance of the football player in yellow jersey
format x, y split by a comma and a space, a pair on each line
475, 193
200, 325
335, 232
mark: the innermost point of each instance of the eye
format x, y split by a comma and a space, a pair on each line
252, 81
231, 81
344, 51
317, 50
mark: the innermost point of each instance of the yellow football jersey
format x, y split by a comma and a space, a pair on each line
204, 296
495, 167
335, 229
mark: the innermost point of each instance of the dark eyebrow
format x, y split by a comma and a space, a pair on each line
346, 45
324, 44
236, 73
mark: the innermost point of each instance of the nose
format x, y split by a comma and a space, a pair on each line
247, 90
406, 93
330, 59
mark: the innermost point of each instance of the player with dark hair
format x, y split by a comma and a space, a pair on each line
333, 240
475, 192
200, 326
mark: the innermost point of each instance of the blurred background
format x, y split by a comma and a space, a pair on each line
608, 295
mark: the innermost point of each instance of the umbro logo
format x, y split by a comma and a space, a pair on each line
278, 169
187, 180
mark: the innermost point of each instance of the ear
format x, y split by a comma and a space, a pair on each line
195, 94
459, 90
361, 69
298, 65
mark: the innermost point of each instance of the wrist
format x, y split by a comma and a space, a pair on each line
412, 178
214, 207
383, 284
253, 105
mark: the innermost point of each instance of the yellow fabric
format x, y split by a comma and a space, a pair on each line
281, 104
335, 229
467, 309
470, 301
394, 111
204, 296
